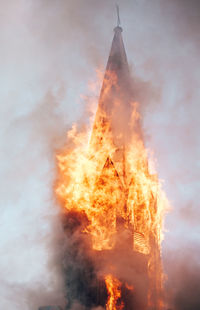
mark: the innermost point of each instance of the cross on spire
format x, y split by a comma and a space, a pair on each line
118, 17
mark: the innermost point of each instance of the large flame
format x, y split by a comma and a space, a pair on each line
113, 187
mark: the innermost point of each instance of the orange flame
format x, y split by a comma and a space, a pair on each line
108, 182
114, 293
129, 287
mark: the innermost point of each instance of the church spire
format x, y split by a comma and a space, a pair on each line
113, 117
116, 88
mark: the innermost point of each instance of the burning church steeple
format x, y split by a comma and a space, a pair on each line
113, 206
114, 118
116, 127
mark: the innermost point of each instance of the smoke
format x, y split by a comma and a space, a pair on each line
30, 272
85, 270
183, 277
49, 51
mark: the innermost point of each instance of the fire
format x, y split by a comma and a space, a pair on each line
108, 180
114, 293
129, 287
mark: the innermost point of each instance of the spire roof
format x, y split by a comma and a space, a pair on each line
116, 93
117, 60
111, 128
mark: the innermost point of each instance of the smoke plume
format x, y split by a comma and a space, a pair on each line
49, 52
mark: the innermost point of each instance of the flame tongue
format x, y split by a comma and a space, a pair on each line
114, 293
92, 182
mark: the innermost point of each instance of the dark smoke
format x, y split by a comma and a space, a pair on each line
84, 268
183, 270
79, 270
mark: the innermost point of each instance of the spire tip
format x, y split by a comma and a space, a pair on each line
118, 17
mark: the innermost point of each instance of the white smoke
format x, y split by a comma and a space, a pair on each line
49, 51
